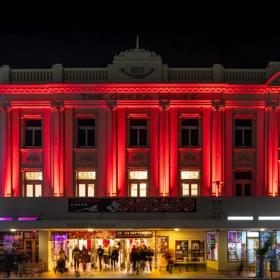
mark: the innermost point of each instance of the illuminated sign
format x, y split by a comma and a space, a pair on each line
126, 205
134, 234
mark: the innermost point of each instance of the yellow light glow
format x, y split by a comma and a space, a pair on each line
36, 176
13, 230
189, 175
138, 175
176, 229
86, 175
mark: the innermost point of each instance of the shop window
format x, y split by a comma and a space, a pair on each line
33, 183
86, 182
237, 245
33, 136
190, 133
243, 183
86, 133
189, 180
138, 132
243, 136
138, 182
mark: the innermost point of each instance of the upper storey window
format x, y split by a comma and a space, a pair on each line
138, 132
243, 133
33, 136
86, 132
190, 132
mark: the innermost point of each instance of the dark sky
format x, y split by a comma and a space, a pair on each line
92, 38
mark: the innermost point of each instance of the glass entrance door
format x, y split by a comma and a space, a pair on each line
31, 249
252, 246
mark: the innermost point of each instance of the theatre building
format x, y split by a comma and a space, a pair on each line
184, 160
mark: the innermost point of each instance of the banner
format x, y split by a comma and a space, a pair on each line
128, 205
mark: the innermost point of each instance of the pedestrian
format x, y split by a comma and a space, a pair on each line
20, 263
150, 254
76, 257
84, 257
114, 257
100, 252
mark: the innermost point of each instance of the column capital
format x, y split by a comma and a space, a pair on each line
218, 105
5, 106
272, 106
164, 104
111, 105
57, 106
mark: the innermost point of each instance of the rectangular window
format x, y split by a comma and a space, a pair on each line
138, 132
33, 136
243, 133
190, 182
86, 182
86, 133
33, 182
138, 182
243, 183
190, 133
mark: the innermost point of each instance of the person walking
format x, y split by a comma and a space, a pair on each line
76, 257
84, 257
100, 253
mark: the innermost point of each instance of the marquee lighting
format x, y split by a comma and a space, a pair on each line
27, 218
6, 218
240, 218
269, 218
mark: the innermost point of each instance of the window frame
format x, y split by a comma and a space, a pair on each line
243, 129
26, 128
190, 182
243, 182
86, 182
32, 182
85, 117
182, 127
138, 117
138, 182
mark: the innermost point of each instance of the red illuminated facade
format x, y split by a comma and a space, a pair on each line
139, 128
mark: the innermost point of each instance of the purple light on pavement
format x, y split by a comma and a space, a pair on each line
6, 218
27, 218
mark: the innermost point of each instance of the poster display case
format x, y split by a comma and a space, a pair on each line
212, 245
181, 250
197, 250
236, 245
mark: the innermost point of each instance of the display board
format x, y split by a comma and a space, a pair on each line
236, 245
212, 245
181, 250
197, 250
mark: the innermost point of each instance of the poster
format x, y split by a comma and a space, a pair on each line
162, 244
212, 250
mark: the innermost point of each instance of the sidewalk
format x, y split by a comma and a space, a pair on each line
208, 274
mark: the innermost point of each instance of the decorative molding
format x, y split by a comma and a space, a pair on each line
137, 75
272, 106
218, 105
5, 106
57, 106
111, 105
164, 105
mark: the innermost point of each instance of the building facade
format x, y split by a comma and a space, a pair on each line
130, 152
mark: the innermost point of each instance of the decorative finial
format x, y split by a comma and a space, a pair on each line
137, 41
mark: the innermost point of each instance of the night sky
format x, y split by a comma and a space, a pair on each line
92, 38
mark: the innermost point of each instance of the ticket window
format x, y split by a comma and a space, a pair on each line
138, 183
86, 182
33, 182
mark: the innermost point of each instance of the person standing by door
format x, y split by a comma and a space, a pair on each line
76, 257
100, 253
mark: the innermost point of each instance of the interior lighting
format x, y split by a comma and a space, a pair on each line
240, 218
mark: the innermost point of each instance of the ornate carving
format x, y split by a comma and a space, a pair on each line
111, 105
57, 106
272, 106
137, 72
138, 157
164, 104
5, 106
218, 105
30, 158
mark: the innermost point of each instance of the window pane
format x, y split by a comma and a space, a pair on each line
194, 137
185, 189
34, 176
38, 190
248, 137
243, 123
91, 190
86, 122
28, 138
86, 175
138, 122
238, 137
142, 137
189, 174
247, 190
185, 137
194, 189
82, 190
238, 189
138, 175
133, 188
91, 137
189, 122
143, 189
133, 137
81, 137
29, 190
38, 138
33, 123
